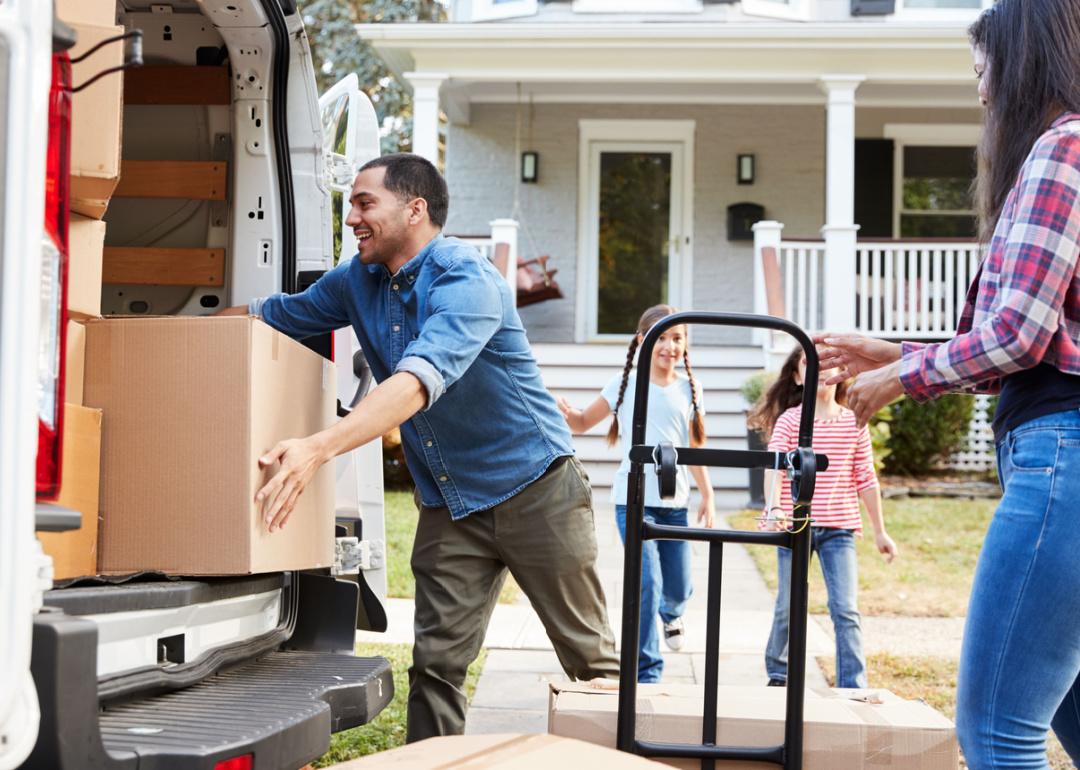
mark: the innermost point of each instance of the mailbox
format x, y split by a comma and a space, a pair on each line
741, 218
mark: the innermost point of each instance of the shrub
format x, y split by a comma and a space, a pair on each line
922, 436
754, 386
880, 433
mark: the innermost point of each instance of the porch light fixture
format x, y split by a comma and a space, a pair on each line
530, 167
744, 173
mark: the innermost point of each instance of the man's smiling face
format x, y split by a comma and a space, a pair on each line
378, 217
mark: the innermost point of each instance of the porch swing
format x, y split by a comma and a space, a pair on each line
534, 281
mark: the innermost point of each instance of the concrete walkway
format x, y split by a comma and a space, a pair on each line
512, 693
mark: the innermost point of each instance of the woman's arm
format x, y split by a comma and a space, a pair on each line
581, 420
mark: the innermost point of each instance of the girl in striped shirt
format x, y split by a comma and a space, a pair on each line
835, 510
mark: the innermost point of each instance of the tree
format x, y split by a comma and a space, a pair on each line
337, 50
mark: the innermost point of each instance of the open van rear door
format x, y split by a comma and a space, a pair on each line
350, 139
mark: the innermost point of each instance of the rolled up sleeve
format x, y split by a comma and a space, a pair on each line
466, 311
318, 309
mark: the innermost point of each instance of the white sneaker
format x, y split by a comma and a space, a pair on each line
674, 635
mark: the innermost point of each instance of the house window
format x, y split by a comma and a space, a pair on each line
491, 10
778, 9
936, 192
637, 6
941, 9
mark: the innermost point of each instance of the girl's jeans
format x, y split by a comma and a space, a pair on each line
665, 585
836, 551
1021, 650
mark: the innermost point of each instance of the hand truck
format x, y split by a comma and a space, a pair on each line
802, 465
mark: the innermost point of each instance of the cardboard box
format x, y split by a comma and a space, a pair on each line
74, 553
96, 117
74, 362
484, 752
843, 731
99, 12
86, 244
192, 404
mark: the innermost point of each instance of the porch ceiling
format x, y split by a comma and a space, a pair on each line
725, 61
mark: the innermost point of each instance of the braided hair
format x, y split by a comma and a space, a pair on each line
649, 319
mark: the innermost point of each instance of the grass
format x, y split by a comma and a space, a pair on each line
930, 679
387, 730
401, 519
939, 541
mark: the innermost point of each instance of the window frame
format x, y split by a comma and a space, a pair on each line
467, 11
638, 6
794, 10
939, 14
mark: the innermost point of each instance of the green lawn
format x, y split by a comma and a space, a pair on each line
387, 730
401, 518
939, 541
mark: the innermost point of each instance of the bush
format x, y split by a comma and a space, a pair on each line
880, 433
754, 386
922, 436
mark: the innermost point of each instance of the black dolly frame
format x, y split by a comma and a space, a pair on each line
801, 465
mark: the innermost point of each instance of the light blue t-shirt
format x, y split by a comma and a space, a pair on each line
670, 410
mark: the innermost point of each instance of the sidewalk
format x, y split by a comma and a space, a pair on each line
512, 693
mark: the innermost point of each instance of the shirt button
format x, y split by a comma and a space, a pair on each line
444, 478
429, 443
394, 287
397, 328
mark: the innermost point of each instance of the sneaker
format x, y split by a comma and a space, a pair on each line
777, 683
674, 634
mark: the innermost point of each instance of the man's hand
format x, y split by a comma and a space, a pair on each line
873, 390
300, 459
853, 354
885, 545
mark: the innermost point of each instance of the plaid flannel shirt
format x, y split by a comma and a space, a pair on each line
1023, 307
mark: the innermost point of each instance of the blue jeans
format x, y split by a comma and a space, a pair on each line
1021, 652
665, 585
836, 550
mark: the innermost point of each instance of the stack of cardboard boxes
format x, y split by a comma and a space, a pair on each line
165, 418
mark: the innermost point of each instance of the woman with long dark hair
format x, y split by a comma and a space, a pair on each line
1019, 335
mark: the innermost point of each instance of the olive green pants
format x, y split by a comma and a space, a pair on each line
544, 536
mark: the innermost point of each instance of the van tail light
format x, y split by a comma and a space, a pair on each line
241, 762
54, 277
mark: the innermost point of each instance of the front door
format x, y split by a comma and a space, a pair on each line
637, 235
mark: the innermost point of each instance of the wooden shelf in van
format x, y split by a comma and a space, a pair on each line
155, 266
177, 85
190, 179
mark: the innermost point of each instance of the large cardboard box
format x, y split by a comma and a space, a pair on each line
74, 553
490, 752
86, 242
99, 12
74, 363
96, 117
844, 729
193, 403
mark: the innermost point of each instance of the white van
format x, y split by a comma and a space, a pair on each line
222, 673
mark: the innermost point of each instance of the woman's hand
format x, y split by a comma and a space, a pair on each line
853, 354
885, 545
873, 390
706, 515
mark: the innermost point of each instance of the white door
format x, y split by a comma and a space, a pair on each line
636, 236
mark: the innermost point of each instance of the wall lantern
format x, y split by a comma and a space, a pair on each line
530, 167
745, 169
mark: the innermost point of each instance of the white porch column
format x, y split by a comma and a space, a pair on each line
840, 228
425, 134
767, 234
506, 231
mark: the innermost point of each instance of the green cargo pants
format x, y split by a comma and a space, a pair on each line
544, 535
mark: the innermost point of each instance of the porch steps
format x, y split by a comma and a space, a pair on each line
579, 372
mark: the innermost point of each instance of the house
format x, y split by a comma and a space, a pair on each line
692, 152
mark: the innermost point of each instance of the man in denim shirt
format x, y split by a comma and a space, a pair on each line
497, 483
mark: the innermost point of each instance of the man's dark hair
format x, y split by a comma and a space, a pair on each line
411, 176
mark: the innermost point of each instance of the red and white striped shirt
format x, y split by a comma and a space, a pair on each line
851, 467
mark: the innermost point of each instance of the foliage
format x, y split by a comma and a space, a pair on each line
924, 435
754, 386
880, 433
337, 50
387, 730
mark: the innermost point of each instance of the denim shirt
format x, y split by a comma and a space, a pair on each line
490, 427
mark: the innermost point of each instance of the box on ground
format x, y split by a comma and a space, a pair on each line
193, 403
99, 12
96, 117
486, 752
86, 243
842, 730
74, 553
74, 362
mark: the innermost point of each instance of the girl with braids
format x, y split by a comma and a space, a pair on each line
837, 521
677, 415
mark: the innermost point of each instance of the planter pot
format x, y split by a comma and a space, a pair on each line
755, 440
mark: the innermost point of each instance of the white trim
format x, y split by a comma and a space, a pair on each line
469, 11
637, 6
676, 136
796, 10
923, 135
966, 15
758, 100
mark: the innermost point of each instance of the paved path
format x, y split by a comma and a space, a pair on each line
512, 693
